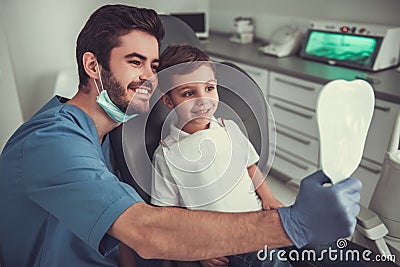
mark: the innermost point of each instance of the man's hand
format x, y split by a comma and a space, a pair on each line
322, 213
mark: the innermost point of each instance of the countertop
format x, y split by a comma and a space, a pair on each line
386, 83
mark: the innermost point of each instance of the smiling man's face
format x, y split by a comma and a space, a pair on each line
132, 63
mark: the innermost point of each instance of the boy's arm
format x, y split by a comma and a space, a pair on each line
262, 189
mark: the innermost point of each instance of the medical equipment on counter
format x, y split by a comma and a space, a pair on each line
385, 200
344, 112
284, 42
243, 30
355, 45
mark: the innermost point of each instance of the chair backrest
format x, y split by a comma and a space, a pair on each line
135, 141
177, 31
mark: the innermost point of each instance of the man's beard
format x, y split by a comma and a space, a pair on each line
117, 93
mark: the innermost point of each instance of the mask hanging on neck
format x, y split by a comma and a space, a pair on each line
108, 106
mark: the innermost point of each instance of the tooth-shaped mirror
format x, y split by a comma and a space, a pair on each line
344, 112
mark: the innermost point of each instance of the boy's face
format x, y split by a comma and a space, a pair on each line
195, 99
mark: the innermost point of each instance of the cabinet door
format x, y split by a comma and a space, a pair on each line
289, 167
294, 117
260, 76
302, 146
294, 90
380, 130
369, 174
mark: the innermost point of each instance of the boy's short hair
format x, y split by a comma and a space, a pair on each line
181, 53
176, 55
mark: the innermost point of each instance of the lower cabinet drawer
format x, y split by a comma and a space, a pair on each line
380, 130
295, 90
303, 146
294, 117
288, 167
368, 173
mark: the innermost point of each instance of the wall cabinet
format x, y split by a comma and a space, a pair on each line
380, 130
369, 170
297, 91
294, 117
260, 76
368, 173
292, 101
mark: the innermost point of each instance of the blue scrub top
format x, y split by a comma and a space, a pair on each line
58, 195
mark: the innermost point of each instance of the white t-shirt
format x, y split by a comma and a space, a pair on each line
238, 196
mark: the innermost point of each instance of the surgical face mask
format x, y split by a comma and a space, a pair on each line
108, 106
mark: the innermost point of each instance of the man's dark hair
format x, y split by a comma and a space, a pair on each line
104, 28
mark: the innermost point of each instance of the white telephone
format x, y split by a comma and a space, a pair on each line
284, 42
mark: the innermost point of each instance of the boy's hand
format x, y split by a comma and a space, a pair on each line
271, 203
220, 261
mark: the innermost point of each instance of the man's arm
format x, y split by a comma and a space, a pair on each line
320, 214
179, 234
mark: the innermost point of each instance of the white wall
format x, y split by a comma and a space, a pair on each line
10, 111
170, 6
269, 14
41, 34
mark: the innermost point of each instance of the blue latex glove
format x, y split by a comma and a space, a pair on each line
322, 214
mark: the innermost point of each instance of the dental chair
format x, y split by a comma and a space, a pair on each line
378, 227
133, 156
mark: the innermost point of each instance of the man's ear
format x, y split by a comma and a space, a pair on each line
167, 101
90, 65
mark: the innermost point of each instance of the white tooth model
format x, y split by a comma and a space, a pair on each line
344, 112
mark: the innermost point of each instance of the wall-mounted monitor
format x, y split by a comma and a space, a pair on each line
198, 21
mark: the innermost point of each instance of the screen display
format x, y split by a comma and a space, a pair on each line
353, 50
195, 20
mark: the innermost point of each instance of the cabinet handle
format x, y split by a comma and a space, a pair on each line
384, 109
252, 72
307, 116
308, 88
294, 183
301, 166
298, 139
370, 169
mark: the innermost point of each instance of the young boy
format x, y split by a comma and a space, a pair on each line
186, 176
